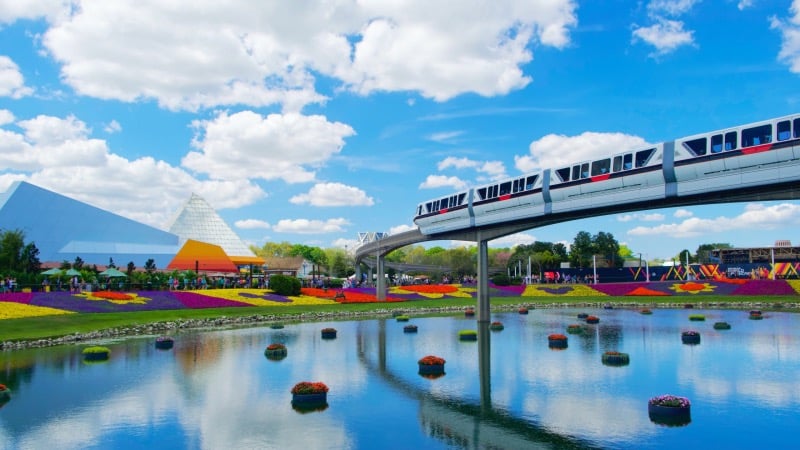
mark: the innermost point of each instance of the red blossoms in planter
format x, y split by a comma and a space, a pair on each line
310, 387
431, 360
3, 387
557, 337
276, 346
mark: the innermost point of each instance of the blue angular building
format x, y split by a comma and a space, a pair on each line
63, 229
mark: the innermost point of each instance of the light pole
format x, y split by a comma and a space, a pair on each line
646, 268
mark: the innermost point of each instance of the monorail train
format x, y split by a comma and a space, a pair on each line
750, 155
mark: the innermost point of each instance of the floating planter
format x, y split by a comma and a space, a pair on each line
276, 351
410, 329
670, 410
582, 315
310, 396
5, 393
397, 313
276, 326
468, 335
496, 326
756, 315
608, 306
557, 341
574, 329
614, 358
690, 337
688, 306
164, 342
469, 312
96, 353
329, 333
523, 310
646, 312
592, 319
722, 326
697, 317
431, 366
402, 318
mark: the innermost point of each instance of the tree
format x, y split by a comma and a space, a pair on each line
606, 245
150, 266
78, 264
582, 249
131, 268
274, 249
111, 263
703, 254
461, 262
30, 259
11, 245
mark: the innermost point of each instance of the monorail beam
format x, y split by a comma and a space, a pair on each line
484, 312
380, 285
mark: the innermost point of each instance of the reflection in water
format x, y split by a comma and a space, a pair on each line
508, 390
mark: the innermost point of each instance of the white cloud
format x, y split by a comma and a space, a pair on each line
272, 53
251, 224
305, 226
333, 194
756, 216
513, 240
113, 127
744, 4
671, 7
346, 244
790, 38
495, 170
681, 213
401, 229
458, 163
279, 146
555, 150
12, 84
6, 117
665, 35
445, 136
437, 181
645, 217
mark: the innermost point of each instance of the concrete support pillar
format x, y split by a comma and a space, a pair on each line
484, 313
380, 286
484, 365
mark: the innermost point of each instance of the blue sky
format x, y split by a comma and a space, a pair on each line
311, 123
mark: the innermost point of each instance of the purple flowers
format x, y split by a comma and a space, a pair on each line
672, 401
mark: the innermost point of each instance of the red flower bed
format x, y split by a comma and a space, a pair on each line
431, 360
430, 288
308, 387
111, 295
557, 337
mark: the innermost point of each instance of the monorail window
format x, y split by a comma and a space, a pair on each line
585, 170
757, 135
429, 207
730, 141
716, 143
435, 205
617, 165
530, 182
461, 198
784, 130
797, 128
444, 203
563, 173
505, 188
601, 167
627, 161
482, 193
696, 146
576, 172
643, 156
493, 191
519, 185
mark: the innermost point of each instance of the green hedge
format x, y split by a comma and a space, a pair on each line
284, 285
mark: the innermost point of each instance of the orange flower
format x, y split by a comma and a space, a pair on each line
431, 360
430, 288
557, 337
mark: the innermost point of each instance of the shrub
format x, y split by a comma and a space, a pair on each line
284, 285
501, 280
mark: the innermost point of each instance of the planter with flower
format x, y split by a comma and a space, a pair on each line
468, 335
722, 326
309, 394
496, 326
276, 351
697, 317
756, 315
669, 410
402, 318
690, 337
410, 329
469, 312
557, 341
583, 316
431, 365
96, 353
329, 333
592, 319
574, 329
276, 326
646, 311
5, 393
615, 358
523, 310
164, 342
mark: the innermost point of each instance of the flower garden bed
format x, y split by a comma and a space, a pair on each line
592, 319
328, 333
307, 395
496, 326
557, 341
690, 337
722, 326
574, 328
5, 393
402, 318
697, 317
615, 358
468, 335
276, 351
410, 329
669, 410
431, 365
164, 342
523, 310
96, 353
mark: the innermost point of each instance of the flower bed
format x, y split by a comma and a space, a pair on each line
276, 351
523, 310
646, 311
431, 365
276, 326
96, 353
5, 393
557, 341
615, 358
410, 329
722, 326
496, 326
468, 335
574, 328
328, 333
402, 318
756, 315
697, 317
309, 395
690, 337
469, 312
669, 410
592, 319
583, 315
164, 342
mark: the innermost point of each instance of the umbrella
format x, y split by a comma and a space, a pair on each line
112, 273
52, 271
72, 273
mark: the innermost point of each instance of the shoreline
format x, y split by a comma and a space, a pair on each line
259, 319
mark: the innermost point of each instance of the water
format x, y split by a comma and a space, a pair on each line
216, 390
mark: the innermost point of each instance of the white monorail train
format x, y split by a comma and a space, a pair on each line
766, 152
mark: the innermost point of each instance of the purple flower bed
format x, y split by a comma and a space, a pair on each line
666, 287
765, 287
68, 302
265, 296
16, 297
197, 301
506, 291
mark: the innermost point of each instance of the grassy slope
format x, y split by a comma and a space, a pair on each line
61, 325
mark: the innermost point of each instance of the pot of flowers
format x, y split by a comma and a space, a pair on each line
96, 353
410, 329
690, 337
402, 318
646, 311
309, 394
468, 335
697, 317
557, 341
5, 393
469, 312
496, 326
276, 326
669, 410
574, 329
722, 326
756, 315
592, 319
431, 365
523, 310
615, 358
583, 316
276, 351
164, 342
329, 333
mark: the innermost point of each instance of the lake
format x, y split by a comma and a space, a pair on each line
216, 390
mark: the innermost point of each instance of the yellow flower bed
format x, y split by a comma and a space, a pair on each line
306, 300
562, 290
134, 298
235, 295
795, 284
11, 310
459, 292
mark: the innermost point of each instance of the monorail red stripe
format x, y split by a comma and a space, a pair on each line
504, 197
442, 211
600, 177
756, 149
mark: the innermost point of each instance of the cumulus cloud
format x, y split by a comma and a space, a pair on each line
553, 150
113, 127
458, 163
12, 83
401, 229
333, 194
271, 55
437, 181
251, 224
790, 37
665, 35
6, 117
755, 216
306, 226
645, 217
513, 240
681, 213
277, 146
58, 154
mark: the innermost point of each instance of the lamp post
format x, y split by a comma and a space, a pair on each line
646, 268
